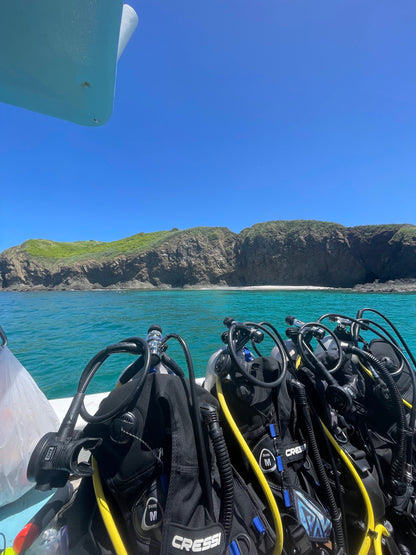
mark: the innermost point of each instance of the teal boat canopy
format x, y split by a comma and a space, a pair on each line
59, 57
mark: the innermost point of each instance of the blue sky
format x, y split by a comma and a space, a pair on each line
229, 113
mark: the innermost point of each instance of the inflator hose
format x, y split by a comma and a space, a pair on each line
105, 512
278, 547
211, 420
398, 465
336, 516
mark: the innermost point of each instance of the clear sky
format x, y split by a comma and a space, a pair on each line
229, 113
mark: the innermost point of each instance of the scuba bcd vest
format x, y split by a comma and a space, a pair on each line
266, 413
359, 393
163, 476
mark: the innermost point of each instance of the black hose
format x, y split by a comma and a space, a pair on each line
397, 473
307, 353
356, 324
317, 364
132, 345
338, 489
225, 469
285, 350
336, 516
172, 365
131, 370
76, 407
233, 353
393, 327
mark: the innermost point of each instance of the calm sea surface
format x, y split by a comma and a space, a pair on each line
54, 334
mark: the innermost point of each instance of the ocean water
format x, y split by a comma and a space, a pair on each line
55, 334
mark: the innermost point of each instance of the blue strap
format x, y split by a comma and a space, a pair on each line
234, 549
259, 526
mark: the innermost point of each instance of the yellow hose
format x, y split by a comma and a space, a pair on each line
366, 370
373, 533
278, 548
106, 513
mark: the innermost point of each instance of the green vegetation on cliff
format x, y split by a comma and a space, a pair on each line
369, 231
406, 234
283, 227
300, 226
81, 249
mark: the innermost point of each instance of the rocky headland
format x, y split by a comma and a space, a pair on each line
297, 253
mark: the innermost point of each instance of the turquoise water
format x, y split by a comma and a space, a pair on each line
54, 334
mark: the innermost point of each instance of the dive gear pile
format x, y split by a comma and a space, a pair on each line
301, 445
161, 473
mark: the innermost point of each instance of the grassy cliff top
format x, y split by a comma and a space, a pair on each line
53, 249
301, 227
398, 232
46, 249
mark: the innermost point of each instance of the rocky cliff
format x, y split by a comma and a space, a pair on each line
296, 252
